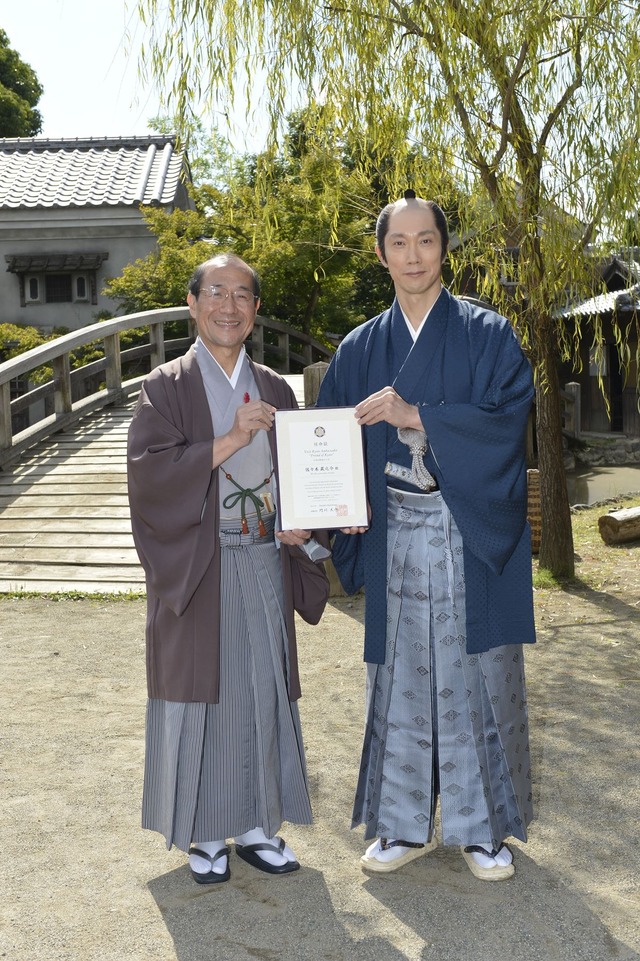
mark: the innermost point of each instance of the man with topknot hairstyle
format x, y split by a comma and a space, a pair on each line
442, 390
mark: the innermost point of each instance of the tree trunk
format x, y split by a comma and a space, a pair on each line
556, 541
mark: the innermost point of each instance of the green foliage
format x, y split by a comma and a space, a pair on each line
535, 118
308, 235
20, 91
160, 279
210, 156
15, 340
531, 112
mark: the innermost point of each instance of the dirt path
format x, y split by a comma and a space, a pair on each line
81, 882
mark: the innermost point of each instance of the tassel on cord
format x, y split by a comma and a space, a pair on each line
416, 441
241, 496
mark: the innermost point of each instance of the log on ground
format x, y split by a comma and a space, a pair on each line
621, 526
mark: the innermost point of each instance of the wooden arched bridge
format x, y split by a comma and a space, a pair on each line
64, 516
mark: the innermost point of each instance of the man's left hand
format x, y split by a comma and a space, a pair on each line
295, 538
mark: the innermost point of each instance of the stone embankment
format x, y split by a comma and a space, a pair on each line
606, 451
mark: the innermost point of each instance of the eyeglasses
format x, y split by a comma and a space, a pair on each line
240, 297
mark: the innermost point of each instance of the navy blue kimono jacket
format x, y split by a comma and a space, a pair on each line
474, 387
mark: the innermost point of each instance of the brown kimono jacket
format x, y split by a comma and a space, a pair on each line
173, 495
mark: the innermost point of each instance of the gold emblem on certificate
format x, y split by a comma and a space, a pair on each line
321, 466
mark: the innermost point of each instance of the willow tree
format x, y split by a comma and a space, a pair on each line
532, 106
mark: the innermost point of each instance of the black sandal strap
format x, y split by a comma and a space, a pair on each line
478, 849
386, 844
265, 846
222, 853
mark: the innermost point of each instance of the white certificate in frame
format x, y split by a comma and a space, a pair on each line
321, 469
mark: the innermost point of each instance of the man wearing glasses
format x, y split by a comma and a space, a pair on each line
224, 755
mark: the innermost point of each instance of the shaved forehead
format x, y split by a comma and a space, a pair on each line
412, 203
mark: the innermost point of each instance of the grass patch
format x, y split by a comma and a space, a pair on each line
544, 580
604, 567
585, 521
73, 596
598, 565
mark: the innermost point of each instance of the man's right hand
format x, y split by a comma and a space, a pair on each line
256, 415
358, 530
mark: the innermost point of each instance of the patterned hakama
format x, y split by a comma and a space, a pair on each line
440, 721
214, 771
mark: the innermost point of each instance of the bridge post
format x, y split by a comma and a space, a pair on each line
313, 376
283, 344
257, 342
156, 341
6, 433
62, 402
112, 357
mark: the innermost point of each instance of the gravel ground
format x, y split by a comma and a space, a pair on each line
81, 882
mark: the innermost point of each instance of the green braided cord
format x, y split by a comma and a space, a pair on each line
232, 499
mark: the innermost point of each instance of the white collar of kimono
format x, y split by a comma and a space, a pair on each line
233, 380
416, 333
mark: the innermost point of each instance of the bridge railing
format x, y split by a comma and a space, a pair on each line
71, 393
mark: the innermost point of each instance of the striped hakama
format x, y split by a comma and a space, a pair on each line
215, 771
440, 721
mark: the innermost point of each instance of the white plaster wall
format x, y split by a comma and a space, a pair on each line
119, 231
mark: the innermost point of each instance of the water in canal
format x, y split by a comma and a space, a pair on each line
590, 485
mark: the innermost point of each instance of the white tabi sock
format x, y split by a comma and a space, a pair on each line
200, 866
502, 858
257, 836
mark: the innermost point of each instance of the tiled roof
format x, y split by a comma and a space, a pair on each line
77, 173
617, 300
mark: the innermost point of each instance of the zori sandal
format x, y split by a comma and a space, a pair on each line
484, 865
211, 877
386, 855
249, 853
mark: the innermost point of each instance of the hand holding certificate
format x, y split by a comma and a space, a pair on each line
321, 468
